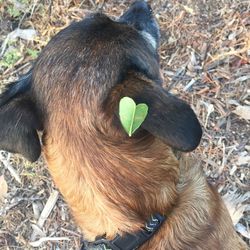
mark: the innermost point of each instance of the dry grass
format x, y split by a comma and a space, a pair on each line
205, 53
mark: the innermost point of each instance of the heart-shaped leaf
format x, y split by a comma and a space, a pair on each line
132, 115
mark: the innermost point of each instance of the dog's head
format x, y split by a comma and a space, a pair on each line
140, 16
88, 63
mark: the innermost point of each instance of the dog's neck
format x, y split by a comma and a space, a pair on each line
113, 186
116, 183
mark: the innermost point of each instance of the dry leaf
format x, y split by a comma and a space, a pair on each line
46, 211
45, 239
210, 109
3, 187
48, 207
243, 112
235, 205
8, 166
38, 231
188, 9
242, 230
242, 160
26, 34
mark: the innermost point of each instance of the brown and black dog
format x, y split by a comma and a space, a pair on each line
111, 182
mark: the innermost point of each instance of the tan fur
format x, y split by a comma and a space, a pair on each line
113, 184
99, 192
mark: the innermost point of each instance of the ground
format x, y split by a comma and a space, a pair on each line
205, 60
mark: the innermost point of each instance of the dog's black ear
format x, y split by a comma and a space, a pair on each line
19, 124
18, 120
142, 44
169, 118
17, 88
145, 62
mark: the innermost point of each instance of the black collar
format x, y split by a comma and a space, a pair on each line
128, 241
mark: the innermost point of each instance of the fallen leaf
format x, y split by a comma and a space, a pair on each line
45, 239
26, 34
8, 166
235, 205
242, 160
210, 109
38, 231
3, 187
243, 112
48, 208
189, 10
46, 211
242, 230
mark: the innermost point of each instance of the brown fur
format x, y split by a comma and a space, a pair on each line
99, 187
111, 182
114, 184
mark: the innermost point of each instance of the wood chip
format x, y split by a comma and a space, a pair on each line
235, 204
243, 230
36, 210
46, 211
242, 160
48, 208
188, 9
38, 231
3, 187
189, 85
210, 109
45, 239
243, 112
8, 166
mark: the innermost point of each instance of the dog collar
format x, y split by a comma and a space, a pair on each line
128, 241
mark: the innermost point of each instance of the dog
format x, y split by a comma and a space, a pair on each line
124, 193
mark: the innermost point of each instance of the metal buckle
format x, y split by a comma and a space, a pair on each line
107, 245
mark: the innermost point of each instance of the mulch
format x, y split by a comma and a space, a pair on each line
205, 60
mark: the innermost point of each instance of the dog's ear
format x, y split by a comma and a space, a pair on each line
142, 59
169, 118
19, 122
17, 88
145, 62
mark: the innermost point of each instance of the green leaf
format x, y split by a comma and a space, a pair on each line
33, 53
132, 115
10, 58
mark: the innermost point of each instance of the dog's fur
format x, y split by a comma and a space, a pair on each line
111, 182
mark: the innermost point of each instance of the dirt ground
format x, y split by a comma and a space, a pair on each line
205, 58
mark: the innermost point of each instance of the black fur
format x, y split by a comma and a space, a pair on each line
18, 128
140, 16
82, 64
16, 88
170, 119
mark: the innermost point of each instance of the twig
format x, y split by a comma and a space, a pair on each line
189, 85
7, 165
46, 211
44, 239
179, 72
